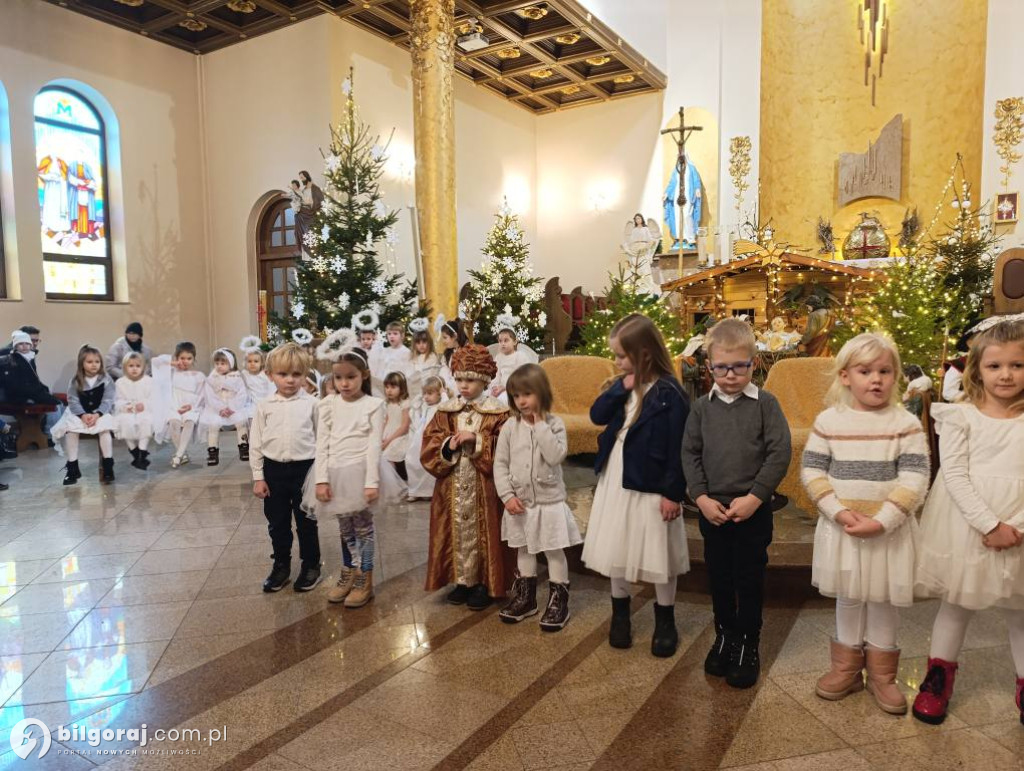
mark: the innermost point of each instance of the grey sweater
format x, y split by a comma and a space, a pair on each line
733, 449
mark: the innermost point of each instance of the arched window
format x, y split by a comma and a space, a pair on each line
277, 252
72, 175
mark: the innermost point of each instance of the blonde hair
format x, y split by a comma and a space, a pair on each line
289, 357
529, 379
731, 333
258, 352
861, 349
133, 356
433, 383
1003, 333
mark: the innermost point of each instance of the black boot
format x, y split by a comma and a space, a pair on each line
458, 595
107, 470
309, 577
134, 452
143, 459
243, 449
666, 638
745, 662
212, 456
8, 445
556, 615
72, 472
620, 635
278, 577
522, 600
717, 661
478, 598
136, 458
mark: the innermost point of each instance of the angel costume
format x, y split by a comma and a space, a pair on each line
173, 390
507, 364
258, 387
421, 484
423, 367
221, 392
132, 424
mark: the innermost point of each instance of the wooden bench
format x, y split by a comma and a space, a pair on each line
29, 418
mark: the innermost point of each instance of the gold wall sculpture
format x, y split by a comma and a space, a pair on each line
432, 43
814, 106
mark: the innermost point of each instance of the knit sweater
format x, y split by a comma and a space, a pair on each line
875, 463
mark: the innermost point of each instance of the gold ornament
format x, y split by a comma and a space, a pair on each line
1007, 136
623, 79
533, 12
569, 39
597, 61
866, 240
193, 25
739, 168
242, 6
509, 53
542, 74
131, 3
570, 90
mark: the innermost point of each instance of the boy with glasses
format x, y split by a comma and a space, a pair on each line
736, 450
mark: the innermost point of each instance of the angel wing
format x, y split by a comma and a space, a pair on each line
627, 231
654, 227
530, 353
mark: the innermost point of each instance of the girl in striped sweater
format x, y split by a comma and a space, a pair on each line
866, 468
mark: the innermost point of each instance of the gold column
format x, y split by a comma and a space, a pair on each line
433, 70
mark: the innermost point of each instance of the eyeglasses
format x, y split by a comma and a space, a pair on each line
740, 368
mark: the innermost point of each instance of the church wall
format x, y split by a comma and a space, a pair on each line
814, 105
156, 191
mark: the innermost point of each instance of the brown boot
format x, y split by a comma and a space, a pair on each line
362, 590
882, 665
846, 675
340, 590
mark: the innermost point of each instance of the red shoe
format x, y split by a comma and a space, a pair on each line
937, 689
1020, 698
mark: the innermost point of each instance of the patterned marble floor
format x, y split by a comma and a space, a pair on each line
140, 603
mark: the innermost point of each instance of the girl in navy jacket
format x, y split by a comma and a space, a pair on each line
635, 531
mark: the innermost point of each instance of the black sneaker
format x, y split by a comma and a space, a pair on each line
243, 450
72, 473
745, 662
309, 576
458, 595
478, 598
716, 663
278, 578
212, 456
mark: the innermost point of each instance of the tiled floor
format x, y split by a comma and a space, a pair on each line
141, 603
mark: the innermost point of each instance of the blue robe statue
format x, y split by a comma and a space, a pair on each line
691, 209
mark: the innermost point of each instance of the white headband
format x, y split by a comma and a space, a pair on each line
227, 355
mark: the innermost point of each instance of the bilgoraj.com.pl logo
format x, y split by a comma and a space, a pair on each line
32, 734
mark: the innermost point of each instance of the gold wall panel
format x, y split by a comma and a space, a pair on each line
814, 106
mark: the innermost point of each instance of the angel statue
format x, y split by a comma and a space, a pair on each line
640, 238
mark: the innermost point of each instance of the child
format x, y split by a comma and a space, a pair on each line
281, 452
396, 435
395, 357
918, 384
635, 533
453, 336
179, 390
528, 478
465, 512
257, 385
133, 408
866, 468
90, 411
510, 357
295, 195
970, 551
346, 475
372, 347
736, 451
425, 363
224, 404
421, 484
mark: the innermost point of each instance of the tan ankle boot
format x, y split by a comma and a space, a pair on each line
882, 665
362, 590
846, 675
341, 590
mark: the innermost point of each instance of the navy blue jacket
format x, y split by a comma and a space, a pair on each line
652, 454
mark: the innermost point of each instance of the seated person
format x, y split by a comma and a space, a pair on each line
20, 381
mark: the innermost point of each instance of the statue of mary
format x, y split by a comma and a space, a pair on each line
691, 209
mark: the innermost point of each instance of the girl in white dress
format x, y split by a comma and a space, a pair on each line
866, 468
225, 402
394, 475
971, 529
90, 411
133, 408
511, 356
345, 482
425, 363
421, 484
257, 384
452, 335
179, 399
528, 477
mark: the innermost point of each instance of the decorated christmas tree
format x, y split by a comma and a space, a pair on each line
631, 291
343, 278
504, 285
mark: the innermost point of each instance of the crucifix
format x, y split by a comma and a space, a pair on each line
684, 133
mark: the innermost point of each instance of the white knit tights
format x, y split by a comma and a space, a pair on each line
874, 623
665, 593
950, 629
71, 444
558, 566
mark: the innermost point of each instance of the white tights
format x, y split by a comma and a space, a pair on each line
142, 443
950, 629
558, 566
71, 445
665, 593
213, 434
874, 623
181, 435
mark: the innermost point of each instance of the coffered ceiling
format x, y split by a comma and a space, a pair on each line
542, 56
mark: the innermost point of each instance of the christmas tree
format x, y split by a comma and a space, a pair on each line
631, 291
505, 286
343, 279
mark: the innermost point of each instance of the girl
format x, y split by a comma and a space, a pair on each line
133, 408
421, 484
971, 528
453, 336
635, 533
346, 475
257, 384
425, 363
866, 468
528, 477
510, 357
90, 411
396, 434
179, 392
225, 403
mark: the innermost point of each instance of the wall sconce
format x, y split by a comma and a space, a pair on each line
873, 25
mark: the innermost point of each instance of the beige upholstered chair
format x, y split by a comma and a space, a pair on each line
576, 381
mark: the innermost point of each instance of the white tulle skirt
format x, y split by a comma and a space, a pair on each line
133, 426
73, 424
541, 528
348, 485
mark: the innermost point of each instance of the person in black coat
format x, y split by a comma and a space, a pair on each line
20, 381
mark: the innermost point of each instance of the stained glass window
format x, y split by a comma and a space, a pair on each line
71, 172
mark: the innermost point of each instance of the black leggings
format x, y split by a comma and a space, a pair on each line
400, 469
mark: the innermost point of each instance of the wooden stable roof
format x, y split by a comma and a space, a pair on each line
542, 56
784, 260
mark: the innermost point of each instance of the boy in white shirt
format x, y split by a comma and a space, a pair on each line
282, 447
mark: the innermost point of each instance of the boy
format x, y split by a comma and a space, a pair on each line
282, 447
465, 512
736, 449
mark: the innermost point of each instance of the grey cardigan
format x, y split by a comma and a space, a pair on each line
120, 349
528, 461
106, 406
